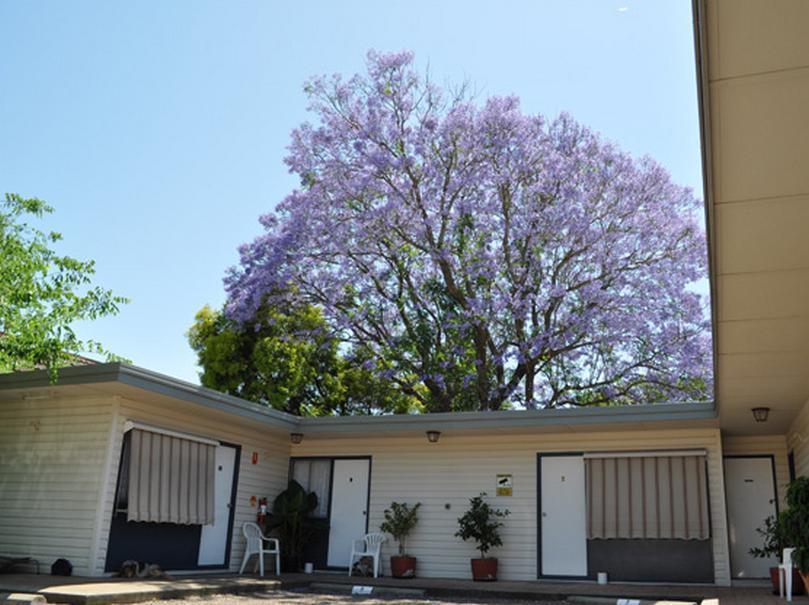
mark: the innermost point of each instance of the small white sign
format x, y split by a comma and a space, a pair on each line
362, 590
505, 485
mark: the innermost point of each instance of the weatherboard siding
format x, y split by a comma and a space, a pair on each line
52, 456
266, 478
409, 469
762, 445
798, 441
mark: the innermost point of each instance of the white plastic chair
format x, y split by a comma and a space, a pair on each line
368, 546
785, 572
255, 546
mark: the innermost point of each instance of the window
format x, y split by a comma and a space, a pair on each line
122, 491
314, 476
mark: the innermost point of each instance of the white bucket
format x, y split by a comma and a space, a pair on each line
308, 568
602, 577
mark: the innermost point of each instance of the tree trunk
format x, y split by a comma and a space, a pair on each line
529, 385
482, 368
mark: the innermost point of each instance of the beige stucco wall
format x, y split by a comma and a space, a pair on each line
767, 445
52, 457
266, 478
410, 469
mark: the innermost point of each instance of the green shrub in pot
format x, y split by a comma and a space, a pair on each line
794, 525
400, 519
774, 542
481, 524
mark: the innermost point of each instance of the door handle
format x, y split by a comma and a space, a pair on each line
364, 513
544, 514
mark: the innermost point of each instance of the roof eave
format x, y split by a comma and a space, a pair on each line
500, 420
517, 419
153, 382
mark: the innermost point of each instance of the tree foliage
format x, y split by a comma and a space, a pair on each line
42, 293
286, 359
482, 256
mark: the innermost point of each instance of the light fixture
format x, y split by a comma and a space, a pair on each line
760, 414
296, 438
433, 436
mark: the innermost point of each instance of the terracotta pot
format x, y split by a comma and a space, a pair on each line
403, 567
484, 570
797, 581
805, 578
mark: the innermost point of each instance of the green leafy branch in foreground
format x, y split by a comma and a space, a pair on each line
43, 293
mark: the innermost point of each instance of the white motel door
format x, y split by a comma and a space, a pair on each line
750, 493
214, 538
563, 516
349, 508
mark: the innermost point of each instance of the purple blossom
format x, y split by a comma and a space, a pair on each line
551, 265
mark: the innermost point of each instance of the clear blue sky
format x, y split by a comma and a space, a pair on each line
157, 129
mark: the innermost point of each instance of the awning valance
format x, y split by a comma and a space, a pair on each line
171, 478
652, 497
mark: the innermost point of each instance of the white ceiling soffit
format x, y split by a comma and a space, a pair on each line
754, 59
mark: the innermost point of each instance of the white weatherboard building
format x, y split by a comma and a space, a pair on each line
114, 462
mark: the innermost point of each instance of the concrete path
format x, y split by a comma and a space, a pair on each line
100, 591
445, 587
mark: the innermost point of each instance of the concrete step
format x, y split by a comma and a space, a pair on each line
103, 593
21, 598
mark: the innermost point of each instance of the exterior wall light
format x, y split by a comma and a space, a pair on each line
433, 436
760, 414
296, 438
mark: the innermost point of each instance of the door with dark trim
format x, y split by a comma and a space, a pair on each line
349, 508
563, 531
214, 541
751, 498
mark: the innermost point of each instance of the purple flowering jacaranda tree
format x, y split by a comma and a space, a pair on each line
480, 256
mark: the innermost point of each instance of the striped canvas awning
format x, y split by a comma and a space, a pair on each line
171, 478
652, 497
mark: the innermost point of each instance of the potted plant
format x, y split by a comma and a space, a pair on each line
794, 526
773, 547
480, 523
400, 519
291, 519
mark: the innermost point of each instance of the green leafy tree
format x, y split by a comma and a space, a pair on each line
43, 293
287, 359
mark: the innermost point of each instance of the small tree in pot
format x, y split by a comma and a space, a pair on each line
400, 519
773, 548
794, 525
480, 523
